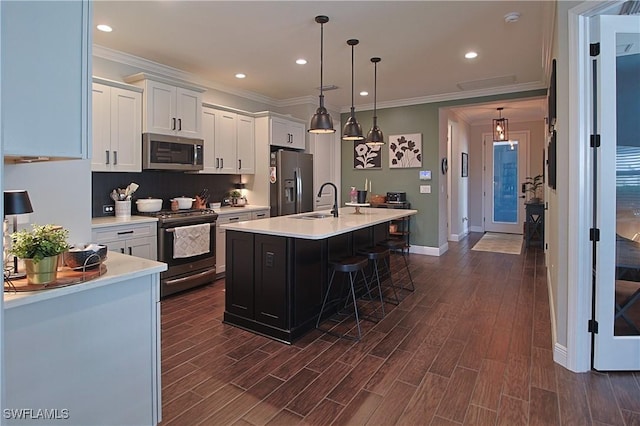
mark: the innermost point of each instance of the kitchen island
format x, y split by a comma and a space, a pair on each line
89, 353
277, 268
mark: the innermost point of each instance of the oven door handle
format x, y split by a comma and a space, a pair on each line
191, 277
170, 230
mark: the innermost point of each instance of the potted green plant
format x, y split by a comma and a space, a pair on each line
532, 186
237, 199
39, 248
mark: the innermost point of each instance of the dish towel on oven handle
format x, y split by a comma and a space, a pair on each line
192, 240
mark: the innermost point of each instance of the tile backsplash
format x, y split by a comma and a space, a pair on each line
158, 184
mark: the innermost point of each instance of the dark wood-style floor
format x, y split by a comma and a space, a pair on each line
472, 345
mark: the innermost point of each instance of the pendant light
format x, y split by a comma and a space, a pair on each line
500, 128
352, 130
321, 121
375, 136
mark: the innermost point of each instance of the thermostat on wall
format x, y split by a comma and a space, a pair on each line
425, 174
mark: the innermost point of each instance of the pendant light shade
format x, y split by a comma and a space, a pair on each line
352, 130
321, 121
375, 136
500, 128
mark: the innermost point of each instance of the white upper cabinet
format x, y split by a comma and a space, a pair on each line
229, 144
169, 107
287, 133
46, 78
246, 145
116, 127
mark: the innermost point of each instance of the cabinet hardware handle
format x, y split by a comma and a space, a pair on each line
107, 153
173, 123
217, 163
222, 163
115, 158
233, 218
122, 250
239, 164
125, 232
130, 252
260, 215
179, 123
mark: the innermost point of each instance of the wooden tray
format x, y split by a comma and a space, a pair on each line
66, 277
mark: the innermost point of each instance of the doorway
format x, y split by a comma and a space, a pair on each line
505, 168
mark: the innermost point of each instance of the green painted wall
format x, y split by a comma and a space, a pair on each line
423, 119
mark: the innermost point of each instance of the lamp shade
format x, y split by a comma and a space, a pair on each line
239, 185
17, 202
375, 136
352, 130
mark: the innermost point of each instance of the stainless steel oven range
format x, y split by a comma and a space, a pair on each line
193, 270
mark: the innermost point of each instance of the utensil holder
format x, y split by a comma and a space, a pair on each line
123, 208
362, 197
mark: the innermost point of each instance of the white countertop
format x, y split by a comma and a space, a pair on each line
318, 229
102, 222
120, 267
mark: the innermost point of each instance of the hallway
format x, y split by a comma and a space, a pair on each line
471, 345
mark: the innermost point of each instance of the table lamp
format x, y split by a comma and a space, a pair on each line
16, 202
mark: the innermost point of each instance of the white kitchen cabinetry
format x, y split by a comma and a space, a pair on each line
326, 167
287, 133
46, 78
234, 215
169, 107
101, 340
134, 239
117, 127
229, 142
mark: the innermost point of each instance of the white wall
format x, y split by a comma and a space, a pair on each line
60, 193
459, 224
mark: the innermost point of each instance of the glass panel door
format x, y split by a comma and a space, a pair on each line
505, 171
617, 193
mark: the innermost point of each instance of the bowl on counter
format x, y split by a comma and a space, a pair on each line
184, 202
149, 205
84, 255
378, 199
215, 205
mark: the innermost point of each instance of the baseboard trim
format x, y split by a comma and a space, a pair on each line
476, 229
560, 355
429, 251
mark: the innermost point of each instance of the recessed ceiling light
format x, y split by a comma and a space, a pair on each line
301, 61
240, 75
471, 55
364, 93
511, 17
104, 28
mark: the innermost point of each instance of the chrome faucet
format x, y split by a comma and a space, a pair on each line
335, 197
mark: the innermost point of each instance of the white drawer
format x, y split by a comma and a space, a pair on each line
233, 217
260, 214
124, 232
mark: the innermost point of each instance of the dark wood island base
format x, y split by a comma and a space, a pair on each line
275, 284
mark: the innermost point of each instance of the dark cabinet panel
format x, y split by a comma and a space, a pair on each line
271, 281
309, 279
239, 269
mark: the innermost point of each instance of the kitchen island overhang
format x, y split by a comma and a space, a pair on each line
277, 268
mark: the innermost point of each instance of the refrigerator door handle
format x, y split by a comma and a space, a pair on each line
298, 175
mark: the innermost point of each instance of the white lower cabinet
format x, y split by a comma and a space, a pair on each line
229, 217
135, 239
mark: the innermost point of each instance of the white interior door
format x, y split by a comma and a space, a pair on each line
505, 168
617, 193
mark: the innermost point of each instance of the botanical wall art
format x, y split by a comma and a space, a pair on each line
405, 151
366, 156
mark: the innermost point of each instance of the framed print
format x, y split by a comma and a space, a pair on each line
366, 156
551, 98
465, 164
405, 151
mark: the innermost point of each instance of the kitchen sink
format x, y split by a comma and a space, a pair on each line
315, 216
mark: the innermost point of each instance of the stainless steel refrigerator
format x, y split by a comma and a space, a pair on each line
291, 182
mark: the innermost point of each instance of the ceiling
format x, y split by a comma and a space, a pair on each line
421, 43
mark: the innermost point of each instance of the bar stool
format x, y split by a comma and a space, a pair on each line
379, 260
399, 246
351, 266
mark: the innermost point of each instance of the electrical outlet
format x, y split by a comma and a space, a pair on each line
108, 209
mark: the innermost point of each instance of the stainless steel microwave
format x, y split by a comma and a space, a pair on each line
164, 152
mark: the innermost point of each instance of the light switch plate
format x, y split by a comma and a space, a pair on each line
425, 189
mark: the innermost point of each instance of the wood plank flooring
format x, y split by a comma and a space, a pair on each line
471, 346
